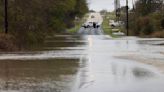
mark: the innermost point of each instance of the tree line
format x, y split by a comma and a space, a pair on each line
146, 18
31, 20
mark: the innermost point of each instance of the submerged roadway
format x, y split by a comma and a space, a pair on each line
87, 62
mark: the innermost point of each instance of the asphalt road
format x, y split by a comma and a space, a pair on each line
90, 31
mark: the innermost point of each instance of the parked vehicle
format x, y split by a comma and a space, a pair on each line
87, 25
91, 24
119, 33
113, 24
97, 25
92, 16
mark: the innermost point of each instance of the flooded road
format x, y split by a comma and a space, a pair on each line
88, 63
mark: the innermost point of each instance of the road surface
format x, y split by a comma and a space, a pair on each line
92, 31
86, 63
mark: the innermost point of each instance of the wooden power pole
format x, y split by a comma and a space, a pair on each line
6, 16
117, 9
127, 17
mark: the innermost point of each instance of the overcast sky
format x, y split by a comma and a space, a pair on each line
105, 4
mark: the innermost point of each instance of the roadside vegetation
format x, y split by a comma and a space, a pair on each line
30, 21
146, 19
78, 23
105, 25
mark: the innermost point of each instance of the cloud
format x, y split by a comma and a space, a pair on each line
105, 4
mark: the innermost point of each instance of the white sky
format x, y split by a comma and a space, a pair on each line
98, 5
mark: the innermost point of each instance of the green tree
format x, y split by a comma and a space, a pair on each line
31, 20
145, 7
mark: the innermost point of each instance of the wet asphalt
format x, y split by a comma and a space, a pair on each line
90, 31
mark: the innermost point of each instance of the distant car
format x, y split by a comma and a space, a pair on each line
87, 25
118, 33
96, 24
92, 16
115, 24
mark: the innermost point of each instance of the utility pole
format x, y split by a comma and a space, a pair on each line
133, 4
117, 9
6, 16
127, 18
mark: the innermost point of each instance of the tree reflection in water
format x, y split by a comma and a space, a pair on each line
38, 76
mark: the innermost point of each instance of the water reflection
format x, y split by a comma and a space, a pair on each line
77, 64
142, 73
106, 73
38, 76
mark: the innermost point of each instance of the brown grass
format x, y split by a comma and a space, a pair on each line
159, 34
157, 63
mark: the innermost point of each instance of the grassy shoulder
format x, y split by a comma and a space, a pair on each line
106, 28
26, 41
78, 24
74, 29
105, 25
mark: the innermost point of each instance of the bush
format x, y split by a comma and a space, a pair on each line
7, 43
30, 40
145, 26
159, 34
30, 21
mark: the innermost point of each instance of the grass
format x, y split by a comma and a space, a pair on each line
105, 25
159, 34
1, 29
107, 28
78, 24
75, 29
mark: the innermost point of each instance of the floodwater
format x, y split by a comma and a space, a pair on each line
88, 63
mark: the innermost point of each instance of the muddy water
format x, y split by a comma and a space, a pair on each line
82, 64
37, 76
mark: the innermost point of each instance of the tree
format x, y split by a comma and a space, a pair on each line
31, 20
103, 12
145, 7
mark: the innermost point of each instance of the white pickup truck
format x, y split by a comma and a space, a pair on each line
87, 24
91, 24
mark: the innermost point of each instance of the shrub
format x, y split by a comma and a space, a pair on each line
30, 40
159, 34
7, 43
144, 26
